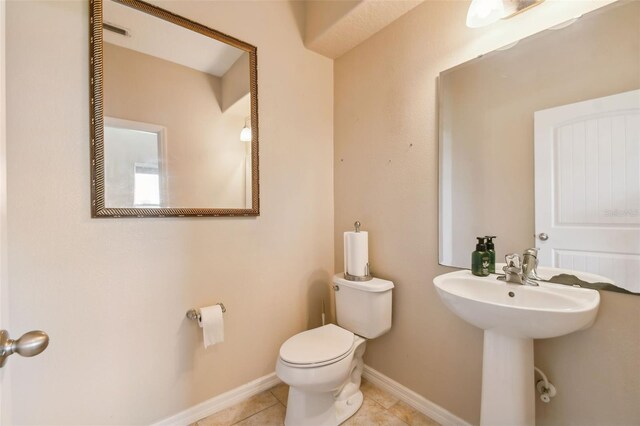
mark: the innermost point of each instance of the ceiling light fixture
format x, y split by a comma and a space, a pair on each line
245, 133
485, 12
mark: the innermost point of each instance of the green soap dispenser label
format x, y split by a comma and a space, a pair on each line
486, 262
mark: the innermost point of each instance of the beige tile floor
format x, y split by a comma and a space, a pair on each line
268, 409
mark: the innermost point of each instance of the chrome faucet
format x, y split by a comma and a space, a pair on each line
521, 274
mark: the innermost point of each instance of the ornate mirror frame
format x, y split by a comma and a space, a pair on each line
96, 58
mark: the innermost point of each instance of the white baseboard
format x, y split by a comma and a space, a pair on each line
406, 395
220, 402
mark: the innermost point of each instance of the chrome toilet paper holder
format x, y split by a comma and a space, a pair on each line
367, 272
194, 314
367, 275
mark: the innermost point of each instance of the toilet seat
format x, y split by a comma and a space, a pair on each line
317, 347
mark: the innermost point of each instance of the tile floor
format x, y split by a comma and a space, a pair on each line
268, 409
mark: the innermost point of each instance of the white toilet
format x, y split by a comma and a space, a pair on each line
323, 366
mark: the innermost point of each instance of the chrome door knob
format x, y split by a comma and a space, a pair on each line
29, 344
543, 236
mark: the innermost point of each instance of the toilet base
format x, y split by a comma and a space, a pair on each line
348, 407
320, 411
310, 409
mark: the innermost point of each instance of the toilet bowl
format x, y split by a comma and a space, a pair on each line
323, 366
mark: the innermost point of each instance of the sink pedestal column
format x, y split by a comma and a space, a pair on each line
508, 396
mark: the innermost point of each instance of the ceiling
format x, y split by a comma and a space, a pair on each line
334, 27
331, 28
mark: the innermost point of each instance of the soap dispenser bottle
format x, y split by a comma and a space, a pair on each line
480, 259
491, 248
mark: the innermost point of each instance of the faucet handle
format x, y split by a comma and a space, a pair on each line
533, 251
513, 270
512, 260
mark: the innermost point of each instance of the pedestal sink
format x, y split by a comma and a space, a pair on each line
511, 316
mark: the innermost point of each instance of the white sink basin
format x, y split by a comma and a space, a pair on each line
549, 310
511, 316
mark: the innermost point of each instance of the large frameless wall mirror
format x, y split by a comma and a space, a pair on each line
540, 145
174, 123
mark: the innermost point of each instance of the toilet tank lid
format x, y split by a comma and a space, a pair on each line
374, 285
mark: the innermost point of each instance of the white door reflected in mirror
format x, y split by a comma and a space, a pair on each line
587, 179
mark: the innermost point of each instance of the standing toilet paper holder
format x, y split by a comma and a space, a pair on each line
367, 275
367, 272
194, 314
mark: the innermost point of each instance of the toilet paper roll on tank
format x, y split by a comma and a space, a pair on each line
356, 253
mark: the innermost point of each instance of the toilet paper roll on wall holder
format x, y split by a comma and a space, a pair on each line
194, 314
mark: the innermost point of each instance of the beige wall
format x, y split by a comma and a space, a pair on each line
493, 99
386, 176
112, 293
235, 82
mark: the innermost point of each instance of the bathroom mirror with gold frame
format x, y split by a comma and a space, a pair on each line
540, 146
174, 116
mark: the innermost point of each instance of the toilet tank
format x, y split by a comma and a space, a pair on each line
363, 307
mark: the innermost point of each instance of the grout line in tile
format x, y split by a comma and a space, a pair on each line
397, 417
377, 403
383, 409
257, 412
393, 415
